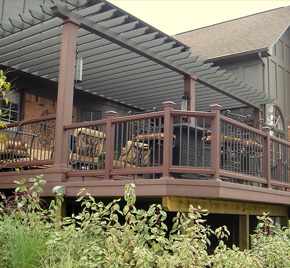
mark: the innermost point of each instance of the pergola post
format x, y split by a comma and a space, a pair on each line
257, 116
189, 94
65, 91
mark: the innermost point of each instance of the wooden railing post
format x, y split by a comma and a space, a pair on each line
215, 153
168, 138
110, 133
267, 156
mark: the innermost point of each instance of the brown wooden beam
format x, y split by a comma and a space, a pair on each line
172, 203
65, 91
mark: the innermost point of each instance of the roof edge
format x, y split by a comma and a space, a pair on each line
279, 36
265, 53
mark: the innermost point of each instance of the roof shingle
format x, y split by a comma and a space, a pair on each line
251, 33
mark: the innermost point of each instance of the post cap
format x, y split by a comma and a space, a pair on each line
215, 107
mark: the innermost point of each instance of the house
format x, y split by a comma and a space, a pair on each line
76, 129
255, 48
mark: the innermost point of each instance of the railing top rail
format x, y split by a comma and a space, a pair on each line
242, 125
86, 124
129, 118
287, 143
30, 121
192, 114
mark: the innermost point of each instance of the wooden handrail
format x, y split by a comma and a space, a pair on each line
30, 121
241, 125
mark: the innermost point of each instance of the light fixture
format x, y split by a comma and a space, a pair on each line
78, 70
184, 101
59, 189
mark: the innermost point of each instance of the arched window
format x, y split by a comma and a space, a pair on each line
275, 120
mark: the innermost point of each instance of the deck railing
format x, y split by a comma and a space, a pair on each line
28, 143
279, 162
169, 143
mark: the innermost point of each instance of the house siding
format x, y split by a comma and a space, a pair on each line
269, 74
278, 72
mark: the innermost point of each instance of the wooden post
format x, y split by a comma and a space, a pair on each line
189, 92
244, 232
285, 221
215, 153
65, 91
110, 133
168, 138
267, 156
257, 116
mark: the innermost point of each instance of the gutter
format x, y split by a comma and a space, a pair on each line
264, 52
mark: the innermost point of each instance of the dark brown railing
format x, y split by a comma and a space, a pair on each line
28, 143
169, 143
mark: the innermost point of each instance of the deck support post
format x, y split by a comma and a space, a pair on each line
110, 133
168, 138
244, 232
267, 156
65, 91
285, 221
215, 140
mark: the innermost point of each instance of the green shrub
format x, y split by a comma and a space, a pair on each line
32, 235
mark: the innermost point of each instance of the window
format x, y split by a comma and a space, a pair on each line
12, 109
275, 120
91, 115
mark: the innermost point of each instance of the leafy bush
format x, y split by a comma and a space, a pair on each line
4, 89
33, 235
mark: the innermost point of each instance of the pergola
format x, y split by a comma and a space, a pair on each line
125, 59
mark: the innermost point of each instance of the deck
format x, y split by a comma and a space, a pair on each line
168, 153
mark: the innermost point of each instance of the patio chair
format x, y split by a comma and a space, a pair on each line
148, 130
16, 145
134, 154
86, 147
238, 117
148, 127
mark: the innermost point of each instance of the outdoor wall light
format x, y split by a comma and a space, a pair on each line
184, 101
79, 69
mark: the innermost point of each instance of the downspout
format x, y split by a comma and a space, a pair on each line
263, 82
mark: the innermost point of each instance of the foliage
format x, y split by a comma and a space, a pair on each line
119, 234
4, 89
25, 226
270, 247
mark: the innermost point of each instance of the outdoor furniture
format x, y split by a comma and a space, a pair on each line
16, 146
134, 154
190, 148
145, 128
86, 147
